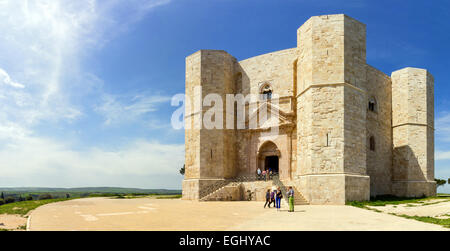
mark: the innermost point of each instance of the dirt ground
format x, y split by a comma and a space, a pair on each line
438, 208
12, 222
176, 214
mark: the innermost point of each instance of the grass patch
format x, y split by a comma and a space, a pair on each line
23, 207
392, 200
121, 196
164, 197
428, 219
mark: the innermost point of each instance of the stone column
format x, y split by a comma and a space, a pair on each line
413, 133
210, 153
331, 110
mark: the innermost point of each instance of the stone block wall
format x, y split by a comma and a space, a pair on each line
379, 126
210, 153
331, 115
413, 132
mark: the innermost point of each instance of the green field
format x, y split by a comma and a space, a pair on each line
23, 207
60, 193
391, 200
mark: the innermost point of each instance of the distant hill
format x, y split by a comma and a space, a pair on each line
120, 190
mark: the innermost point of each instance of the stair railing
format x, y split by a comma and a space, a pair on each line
207, 190
278, 183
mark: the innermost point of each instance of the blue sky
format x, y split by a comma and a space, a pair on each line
85, 86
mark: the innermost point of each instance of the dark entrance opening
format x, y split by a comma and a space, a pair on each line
272, 163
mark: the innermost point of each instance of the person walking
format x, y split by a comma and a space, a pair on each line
267, 198
272, 198
279, 196
259, 173
264, 175
290, 195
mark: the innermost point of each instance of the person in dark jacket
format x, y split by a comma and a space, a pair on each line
279, 196
267, 198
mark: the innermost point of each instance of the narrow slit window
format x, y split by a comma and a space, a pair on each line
372, 143
372, 105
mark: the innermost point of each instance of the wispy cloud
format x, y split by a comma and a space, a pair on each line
43, 42
442, 155
119, 109
42, 47
4, 76
442, 124
37, 161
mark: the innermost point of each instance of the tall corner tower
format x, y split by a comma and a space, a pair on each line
209, 152
413, 133
331, 110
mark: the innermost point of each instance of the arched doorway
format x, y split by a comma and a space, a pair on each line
272, 163
269, 157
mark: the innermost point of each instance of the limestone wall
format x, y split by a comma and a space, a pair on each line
379, 162
210, 153
276, 68
258, 189
413, 132
192, 135
320, 119
331, 115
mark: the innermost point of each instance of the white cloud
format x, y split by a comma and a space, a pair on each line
53, 162
118, 109
42, 45
442, 124
442, 155
4, 76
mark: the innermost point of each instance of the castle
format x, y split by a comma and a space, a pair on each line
347, 131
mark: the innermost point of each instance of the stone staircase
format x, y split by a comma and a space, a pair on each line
227, 190
225, 193
298, 197
223, 188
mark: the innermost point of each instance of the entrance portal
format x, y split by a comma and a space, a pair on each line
269, 157
271, 163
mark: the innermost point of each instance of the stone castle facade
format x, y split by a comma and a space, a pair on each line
347, 131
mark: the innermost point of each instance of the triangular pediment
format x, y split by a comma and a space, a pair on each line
275, 116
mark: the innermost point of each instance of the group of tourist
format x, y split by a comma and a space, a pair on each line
265, 175
275, 197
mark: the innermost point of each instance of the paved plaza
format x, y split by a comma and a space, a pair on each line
176, 214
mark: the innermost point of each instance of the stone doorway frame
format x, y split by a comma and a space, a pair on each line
267, 149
